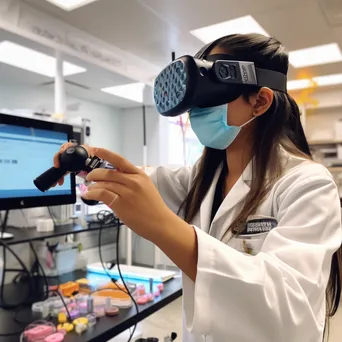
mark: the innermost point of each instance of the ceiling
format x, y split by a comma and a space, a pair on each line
84, 85
152, 29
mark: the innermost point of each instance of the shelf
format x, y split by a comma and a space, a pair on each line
105, 329
23, 235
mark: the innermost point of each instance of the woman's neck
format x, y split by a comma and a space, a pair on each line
238, 156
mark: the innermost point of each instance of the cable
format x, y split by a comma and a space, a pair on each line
122, 279
52, 217
40, 267
102, 262
24, 269
117, 263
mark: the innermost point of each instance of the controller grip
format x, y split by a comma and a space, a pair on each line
49, 178
89, 202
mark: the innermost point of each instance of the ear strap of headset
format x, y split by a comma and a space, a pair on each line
264, 76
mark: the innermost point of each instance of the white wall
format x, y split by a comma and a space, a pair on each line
133, 136
157, 135
320, 120
105, 120
320, 123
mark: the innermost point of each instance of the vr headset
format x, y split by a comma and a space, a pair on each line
190, 82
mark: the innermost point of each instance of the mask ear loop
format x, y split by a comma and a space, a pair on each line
250, 120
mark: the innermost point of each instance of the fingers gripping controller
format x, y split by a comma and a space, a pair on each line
74, 159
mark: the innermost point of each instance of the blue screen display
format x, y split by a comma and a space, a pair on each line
25, 153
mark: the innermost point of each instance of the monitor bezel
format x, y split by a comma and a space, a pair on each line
41, 201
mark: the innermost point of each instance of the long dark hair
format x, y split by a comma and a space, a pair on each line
280, 127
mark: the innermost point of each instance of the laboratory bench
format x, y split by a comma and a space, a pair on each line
12, 321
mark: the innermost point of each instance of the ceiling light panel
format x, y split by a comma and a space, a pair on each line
317, 55
69, 5
299, 84
133, 92
242, 25
319, 81
328, 80
31, 60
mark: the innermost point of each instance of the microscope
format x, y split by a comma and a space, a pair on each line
75, 159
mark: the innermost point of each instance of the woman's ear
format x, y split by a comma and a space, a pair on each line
262, 101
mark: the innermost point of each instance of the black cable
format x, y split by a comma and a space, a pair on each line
52, 217
118, 266
40, 267
122, 279
46, 292
102, 262
63, 301
25, 270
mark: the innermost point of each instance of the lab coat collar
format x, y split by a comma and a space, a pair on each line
236, 194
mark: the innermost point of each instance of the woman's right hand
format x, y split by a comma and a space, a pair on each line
61, 150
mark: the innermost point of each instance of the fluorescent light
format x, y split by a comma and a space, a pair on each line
132, 91
242, 25
322, 54
24, 58
320, 81
69, 5
299, 84
328, 80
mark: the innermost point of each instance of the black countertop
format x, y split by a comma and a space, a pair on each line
105, 329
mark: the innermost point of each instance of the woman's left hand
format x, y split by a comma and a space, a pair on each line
130, 193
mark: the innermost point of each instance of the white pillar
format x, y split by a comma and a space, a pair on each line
146, 99
60, 105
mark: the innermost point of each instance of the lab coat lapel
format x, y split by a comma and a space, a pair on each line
225, 214
207, 203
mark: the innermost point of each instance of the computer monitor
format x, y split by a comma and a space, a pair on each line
27, 147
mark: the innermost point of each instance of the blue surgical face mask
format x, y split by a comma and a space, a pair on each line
211, 127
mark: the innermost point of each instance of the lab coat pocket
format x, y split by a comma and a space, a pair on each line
248, 244
252, 237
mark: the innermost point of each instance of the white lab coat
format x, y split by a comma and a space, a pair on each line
277, 294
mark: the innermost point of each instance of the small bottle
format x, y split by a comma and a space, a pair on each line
108, 303
151, 285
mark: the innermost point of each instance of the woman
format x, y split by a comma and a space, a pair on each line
259, 222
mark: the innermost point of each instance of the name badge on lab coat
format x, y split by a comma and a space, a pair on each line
251, 238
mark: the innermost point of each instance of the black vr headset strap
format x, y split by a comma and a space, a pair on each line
266, 78
205, 49
271, 79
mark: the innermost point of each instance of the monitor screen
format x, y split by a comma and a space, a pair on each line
27, 147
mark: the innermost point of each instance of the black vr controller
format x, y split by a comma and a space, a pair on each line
75, 159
